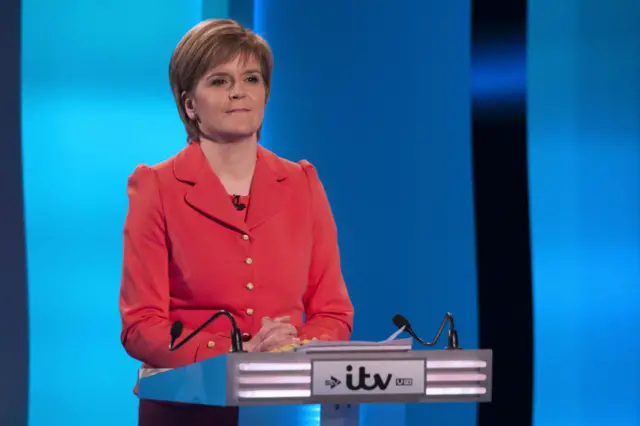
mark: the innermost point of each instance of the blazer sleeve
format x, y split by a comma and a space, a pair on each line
328, 308
144, 291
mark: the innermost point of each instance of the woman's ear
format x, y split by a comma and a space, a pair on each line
189, 106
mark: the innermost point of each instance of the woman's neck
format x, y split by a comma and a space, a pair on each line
234, 162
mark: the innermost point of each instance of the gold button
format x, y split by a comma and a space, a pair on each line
248, 260
211, 344
249, 311
245, 237
250, 286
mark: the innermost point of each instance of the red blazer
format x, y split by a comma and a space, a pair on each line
188, 253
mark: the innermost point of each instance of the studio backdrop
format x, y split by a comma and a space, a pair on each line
584, 173
376, 95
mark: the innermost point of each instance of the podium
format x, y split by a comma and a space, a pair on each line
338, 381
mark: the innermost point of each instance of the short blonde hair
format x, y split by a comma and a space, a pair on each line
207, 45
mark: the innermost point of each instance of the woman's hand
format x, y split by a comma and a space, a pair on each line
274, 333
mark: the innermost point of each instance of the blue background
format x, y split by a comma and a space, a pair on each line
584, 172
378, 98
394, 158
96, 101
387, 123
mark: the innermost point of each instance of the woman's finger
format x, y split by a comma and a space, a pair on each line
278, 340
284, 329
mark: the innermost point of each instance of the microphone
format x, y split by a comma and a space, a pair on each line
236, 337
237, 204
452, 340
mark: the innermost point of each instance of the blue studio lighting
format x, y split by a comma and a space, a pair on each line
95, 102
584, 173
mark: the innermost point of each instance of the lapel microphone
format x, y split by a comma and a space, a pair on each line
237, 204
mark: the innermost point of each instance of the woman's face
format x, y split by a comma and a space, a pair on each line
229, 100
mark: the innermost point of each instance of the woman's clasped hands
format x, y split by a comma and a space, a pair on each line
274, 333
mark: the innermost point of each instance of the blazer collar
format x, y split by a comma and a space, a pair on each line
269, 190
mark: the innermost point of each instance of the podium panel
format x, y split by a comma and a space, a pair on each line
340, 382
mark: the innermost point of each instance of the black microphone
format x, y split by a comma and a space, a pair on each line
237, 204
236, 335
452, 340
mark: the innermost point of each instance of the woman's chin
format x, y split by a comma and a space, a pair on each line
234, 135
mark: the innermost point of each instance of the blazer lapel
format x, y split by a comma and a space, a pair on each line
270, 189
207, 194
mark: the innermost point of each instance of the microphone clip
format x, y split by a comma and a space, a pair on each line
452, 339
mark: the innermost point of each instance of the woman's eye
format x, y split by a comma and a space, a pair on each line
218, 82
253, 79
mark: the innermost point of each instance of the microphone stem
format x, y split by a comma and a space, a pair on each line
452, 338
236, 337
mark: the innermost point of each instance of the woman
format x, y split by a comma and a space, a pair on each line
226, 224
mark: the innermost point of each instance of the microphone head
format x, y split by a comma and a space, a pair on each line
401, 321
176, 330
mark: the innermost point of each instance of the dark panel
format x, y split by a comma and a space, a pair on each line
14, 357
501, 206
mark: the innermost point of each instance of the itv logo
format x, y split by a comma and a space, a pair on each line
368, 377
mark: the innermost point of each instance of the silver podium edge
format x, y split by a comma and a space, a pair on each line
285, 378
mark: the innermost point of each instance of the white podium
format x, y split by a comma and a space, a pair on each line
340, 382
